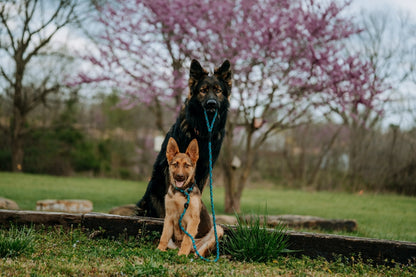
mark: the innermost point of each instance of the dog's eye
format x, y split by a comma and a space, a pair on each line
203, 90
175, 165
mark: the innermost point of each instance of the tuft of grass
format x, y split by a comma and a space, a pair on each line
252, 241
15, 242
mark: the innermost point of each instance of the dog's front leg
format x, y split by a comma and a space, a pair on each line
192, 229
166, 233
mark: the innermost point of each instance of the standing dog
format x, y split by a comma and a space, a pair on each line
206, 92
182, 169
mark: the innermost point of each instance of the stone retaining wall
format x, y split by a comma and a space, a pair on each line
310, 244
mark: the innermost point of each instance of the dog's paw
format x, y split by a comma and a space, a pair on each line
181, 252
172, 245
161, 248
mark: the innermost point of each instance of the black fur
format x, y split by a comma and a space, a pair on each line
205, 91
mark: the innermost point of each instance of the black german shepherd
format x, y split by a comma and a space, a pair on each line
206, 92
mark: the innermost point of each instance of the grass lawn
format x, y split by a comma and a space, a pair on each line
378, 215
57, 252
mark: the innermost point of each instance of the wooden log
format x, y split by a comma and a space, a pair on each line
8, 217
115, 225
375, 250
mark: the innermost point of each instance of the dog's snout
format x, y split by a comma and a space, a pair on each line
179, 177
211, 104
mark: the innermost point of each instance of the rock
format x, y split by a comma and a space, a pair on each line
310, 222
8, 204
126, 210
70, 206
226, 219
295, 222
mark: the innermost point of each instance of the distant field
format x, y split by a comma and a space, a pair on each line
378, 216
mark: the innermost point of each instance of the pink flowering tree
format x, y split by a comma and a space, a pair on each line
288, 62
142, 52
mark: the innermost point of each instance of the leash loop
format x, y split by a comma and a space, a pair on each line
210, 126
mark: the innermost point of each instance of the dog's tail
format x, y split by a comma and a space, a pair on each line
141, 207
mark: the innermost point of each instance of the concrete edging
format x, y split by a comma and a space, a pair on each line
309, 244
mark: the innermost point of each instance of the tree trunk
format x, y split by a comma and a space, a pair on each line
246, 169
324, 151
158, 111
229, 174
234, 190
19, 116
355, 167
229, 189
18, 122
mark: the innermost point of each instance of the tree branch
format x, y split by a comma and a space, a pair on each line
68, 19
3, 73
9, 32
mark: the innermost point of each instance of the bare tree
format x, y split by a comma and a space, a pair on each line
27, 28
387, 42
307, 149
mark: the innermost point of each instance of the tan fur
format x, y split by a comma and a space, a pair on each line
182, 166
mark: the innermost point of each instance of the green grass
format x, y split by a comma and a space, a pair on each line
27, 189
59, 252
380, 216
16, 242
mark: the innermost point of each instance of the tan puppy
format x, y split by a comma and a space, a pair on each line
182, 177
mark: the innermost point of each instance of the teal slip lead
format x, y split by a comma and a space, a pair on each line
189, 190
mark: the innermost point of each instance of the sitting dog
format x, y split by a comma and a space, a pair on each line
182, 168
207, 92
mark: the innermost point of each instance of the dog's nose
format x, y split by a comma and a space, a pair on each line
211, 104
180, 177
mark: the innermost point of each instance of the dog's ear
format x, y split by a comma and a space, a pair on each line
193, 151
172, 149
196, 73
224, 73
